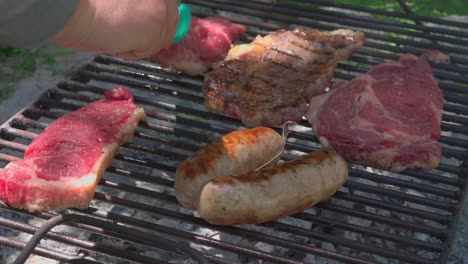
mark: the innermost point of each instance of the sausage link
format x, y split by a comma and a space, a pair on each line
273, 192
230, 155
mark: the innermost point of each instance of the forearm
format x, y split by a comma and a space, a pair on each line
26, 23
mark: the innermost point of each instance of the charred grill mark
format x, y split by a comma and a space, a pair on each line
256, 78
263, 78
265, 174
308, 46
311, 47
315, 56
284, 65
203, 161
285, 52
192, 170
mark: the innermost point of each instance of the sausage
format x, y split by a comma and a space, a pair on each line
230, 155
273, 192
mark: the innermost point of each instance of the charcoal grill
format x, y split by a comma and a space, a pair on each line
376, 217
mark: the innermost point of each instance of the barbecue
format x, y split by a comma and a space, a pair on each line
376, 217
207, 41
391, 116
270, 80
62, 165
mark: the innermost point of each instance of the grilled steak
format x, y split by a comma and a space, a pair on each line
207, 41
271, 80
62, 166
388, 118
436, 56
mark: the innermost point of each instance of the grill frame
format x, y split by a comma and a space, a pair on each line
141, 79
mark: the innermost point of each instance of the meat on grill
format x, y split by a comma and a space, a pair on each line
436, 56
62, 166
207, 41
271, 80
233, 154
273, 192
388, 118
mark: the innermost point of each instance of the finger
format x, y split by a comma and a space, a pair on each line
172, 18
160, 40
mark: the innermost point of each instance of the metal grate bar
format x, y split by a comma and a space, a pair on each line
30, 136
352, 184
77, 242
406, 197
376, 52
448, 152
258, 10
39, 250
443, 219
209, 241
118, 72
279, 260
369, 248
310, 217
387, 13
402, 183
439, 233
359, 229
181, 109
136, 147
198, 99
399, 206
348, 197
119, 231
140, 192
356, 20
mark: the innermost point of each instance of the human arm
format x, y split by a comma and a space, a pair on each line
125, 28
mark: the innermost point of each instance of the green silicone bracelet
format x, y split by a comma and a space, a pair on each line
184, 22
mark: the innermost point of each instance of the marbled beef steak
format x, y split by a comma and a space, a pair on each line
388, 118
62, 166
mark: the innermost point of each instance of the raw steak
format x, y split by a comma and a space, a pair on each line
388, 118
271, 80
62, 166
207, 41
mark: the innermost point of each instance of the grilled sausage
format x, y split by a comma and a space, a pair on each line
233, 154
273, 192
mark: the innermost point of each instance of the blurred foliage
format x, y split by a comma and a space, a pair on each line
432, 8
17, 63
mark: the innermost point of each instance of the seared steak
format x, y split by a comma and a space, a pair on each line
436, 56
388, 118
271, 80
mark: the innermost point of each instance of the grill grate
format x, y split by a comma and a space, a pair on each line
376, 216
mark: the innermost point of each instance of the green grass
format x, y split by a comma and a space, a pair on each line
432, 8
17, 64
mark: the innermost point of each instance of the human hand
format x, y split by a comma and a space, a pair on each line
127, 29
